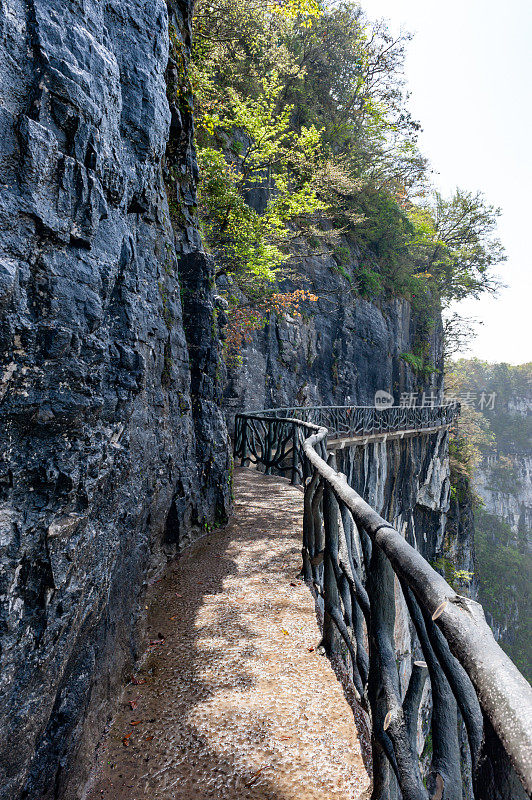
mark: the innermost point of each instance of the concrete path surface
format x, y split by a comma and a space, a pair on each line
232, 701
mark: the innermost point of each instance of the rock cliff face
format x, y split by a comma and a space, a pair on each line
511, 502
503, 480
113, 446
341, 351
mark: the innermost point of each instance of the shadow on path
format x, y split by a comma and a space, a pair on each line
232, 700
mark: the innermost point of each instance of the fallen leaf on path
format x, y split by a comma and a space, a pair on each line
135, 722
254, 778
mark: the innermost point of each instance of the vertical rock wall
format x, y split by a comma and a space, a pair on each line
512, 503
340, 351
109, 454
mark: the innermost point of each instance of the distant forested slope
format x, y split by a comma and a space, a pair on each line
494, 448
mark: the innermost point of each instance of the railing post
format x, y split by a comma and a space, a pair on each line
267, 454
244, 460
309, 539
343, 584
316, 505
306, 469
330, 587
412, 700
295, 456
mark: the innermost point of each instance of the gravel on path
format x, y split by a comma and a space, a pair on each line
232, 700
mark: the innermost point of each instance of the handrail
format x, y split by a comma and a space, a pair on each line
346, 421
350, 557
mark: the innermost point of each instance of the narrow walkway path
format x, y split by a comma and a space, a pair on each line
235, 702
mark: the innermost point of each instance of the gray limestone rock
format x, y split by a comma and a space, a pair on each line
342, 350
110, 457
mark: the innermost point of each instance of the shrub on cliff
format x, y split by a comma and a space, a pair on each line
505, 587
303, 126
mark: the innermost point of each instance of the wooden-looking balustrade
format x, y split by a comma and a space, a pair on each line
353, 559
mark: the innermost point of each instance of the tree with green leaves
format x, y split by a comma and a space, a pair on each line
303, 131
262, 150
454, 244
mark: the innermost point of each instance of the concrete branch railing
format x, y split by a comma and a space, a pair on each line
355, 561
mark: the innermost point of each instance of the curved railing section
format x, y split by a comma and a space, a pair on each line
355, 561
352, 421
271, 438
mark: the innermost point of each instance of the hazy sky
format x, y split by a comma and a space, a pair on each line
469, 70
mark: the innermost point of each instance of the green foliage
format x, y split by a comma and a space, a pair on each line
457, 578
418, 363
342, 255
369, 281
385, 229
342, 271
246, 142
503, 476
505, 587
503, 565
453, 244
324, 146
469, 442
237, 235
249, 244
511, 431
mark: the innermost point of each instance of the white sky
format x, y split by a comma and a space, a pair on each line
469, 71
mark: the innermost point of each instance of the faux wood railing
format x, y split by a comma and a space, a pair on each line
481, 717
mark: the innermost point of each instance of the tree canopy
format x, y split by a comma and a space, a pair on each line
302, 127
